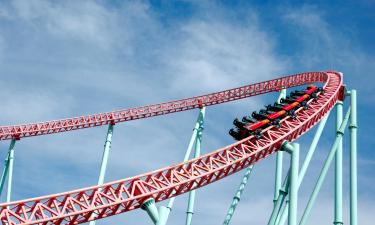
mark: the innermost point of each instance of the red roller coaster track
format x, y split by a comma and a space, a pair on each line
80, 206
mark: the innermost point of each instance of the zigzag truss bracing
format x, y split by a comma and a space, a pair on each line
80, 206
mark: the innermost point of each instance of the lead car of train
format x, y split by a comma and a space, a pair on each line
273, 114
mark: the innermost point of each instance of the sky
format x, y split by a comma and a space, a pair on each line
62, 59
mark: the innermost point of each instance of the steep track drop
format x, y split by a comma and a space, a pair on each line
116, 197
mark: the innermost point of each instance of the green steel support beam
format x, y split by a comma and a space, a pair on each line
150, 207
160, 217
293, 196
278, 175
323, 173
279, 161
283, 192
164, 211
10, 170
107, 148
237, 196
282, 218
4, 173
198, 142
164, 214
312, 148
6, 165
353, 158
338, 169
103, 166
294, 167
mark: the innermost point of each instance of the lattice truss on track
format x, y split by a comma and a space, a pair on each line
56, 126
120, 196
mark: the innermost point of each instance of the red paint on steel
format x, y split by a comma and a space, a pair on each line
63, 125
276, 114
257, 124
290, 106
302, 98
116, 197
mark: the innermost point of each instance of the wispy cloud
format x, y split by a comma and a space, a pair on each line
215, 54
323, 46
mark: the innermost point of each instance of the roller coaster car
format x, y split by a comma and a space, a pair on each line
243, 133
238, 123
297, 93
249, 119
288, 100
234, 134
239, 134
273, 114
259, 116
275, 107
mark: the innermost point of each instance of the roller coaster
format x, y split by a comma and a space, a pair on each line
274, 130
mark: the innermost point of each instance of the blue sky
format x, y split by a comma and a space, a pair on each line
67, 58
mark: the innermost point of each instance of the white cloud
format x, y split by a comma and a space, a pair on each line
214, 54
85, 20
323, 46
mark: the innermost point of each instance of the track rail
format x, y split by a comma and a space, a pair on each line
116, 197
69, 124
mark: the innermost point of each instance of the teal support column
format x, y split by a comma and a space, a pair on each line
312, 148
306, 163
4, 173
237, 196
103, 166
279, 161
294, 167
10, 170
283, 192
166, 210
278, 175
107, 148
6, 165
150, 207
198, 142
293, 196
163, 212
190, 208
353, 158
324, 171
338, 169
283, 216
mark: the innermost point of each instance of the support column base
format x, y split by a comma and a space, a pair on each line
149, 206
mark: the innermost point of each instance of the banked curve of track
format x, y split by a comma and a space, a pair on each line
83, 205
70, 124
